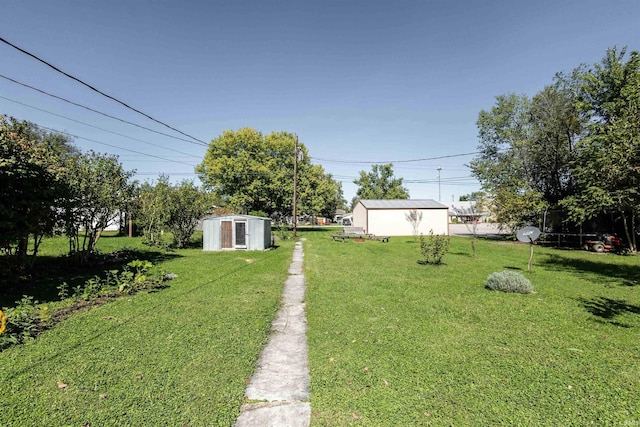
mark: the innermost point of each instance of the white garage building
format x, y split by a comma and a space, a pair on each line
389, 217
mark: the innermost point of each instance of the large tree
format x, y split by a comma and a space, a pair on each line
575, 145
250, 172
379, 183
99, 192
607, 166
31, 184
526, 151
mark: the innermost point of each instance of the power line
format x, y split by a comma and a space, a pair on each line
97, 111
173, 173
99, 91
395, 161
96, 127
115, 146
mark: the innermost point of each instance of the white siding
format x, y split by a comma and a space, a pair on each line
393, 222
360, 216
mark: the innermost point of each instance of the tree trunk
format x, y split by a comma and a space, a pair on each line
632, 246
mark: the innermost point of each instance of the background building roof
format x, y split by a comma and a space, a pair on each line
403, 204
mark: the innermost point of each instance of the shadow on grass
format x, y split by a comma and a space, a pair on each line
607, 309
49, 272
627, 274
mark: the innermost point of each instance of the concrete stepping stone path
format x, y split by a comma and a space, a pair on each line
279, 390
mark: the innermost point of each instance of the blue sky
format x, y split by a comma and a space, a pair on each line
358, 81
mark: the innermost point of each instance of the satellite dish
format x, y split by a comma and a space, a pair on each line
528, 234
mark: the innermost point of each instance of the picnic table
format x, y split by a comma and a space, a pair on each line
357, 232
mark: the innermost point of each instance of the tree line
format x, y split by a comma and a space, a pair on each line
573, 146
48, 187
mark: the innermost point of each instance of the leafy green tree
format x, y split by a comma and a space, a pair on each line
251, 172
31, 184
379, 184
320, 194
607, 167
186, 207
151, 210
473, 196
100, 190
526, 151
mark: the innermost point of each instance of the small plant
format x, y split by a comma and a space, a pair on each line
414, 218
63, 291
509, 281
433, 248
92, 288
283, 233
23, 322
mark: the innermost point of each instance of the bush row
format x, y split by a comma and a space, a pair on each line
28, 318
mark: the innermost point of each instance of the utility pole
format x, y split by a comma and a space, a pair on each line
439, 197
295, 190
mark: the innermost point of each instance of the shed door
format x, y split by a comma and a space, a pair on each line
241, 234
226, 234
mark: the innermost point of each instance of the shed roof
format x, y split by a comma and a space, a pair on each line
403, 204
236, 216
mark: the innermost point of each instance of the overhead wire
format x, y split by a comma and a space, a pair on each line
98, 91
340, 161
395, 161
98, 111
95, 127
115, 146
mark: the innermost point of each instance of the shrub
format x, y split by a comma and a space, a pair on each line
24, 321
28, 318
509, 281
433, 248
282, 232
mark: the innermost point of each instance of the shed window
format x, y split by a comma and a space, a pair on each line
241, 234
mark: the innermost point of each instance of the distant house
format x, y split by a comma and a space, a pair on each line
236, 232
389, 217
466, 212
337, 217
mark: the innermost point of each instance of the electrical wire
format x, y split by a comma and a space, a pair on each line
115, 146
98, 91
98, 111
96, 127
395, 161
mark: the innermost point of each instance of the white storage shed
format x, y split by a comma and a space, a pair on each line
389, 217
236, 232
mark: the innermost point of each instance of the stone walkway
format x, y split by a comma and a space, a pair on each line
278, 392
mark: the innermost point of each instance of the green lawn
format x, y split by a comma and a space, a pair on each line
395, 343
176, 357
392, 342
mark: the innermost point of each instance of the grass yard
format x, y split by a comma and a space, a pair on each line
395, 343
176, 357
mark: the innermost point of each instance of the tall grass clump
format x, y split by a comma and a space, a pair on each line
509, 281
